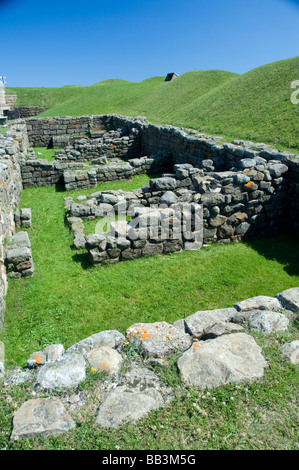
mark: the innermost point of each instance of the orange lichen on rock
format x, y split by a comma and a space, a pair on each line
38, 360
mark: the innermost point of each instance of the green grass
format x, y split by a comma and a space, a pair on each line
67, 300
255, 106
45, 153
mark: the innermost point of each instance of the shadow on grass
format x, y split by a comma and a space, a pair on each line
283, 248
82, 258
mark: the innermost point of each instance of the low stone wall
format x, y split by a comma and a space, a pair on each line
113, 144
13, 148
236, 205
28, 111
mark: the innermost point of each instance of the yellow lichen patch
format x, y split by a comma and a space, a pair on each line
104, 366
196, 346
250, 183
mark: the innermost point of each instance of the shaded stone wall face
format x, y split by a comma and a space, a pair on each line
13, 148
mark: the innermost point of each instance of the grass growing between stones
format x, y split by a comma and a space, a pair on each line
259, 415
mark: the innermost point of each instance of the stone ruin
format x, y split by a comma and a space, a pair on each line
242, 190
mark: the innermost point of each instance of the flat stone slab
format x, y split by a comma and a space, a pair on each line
41, 417
215, 362
260, 302
66, 373
139, 392
268, 322
222, 328
157, 339
290, 299
198, 323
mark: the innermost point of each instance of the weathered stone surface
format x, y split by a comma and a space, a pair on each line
228, 358
222, 328
66, 373
197, 323
105, 359
111, 338
261, 302
290, 299
268, 322
139, 393
157, 339
51, 353
19, 239
41, 417
291, 351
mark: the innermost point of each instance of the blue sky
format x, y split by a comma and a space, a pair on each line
70, 42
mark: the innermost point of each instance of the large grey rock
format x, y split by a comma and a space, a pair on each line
291, 351
157, 339
18, 255
268, 322
105, 359
163, 184
20, 239
111, 338
198, 323
41, 417
228, 358
66, 373
260, 302
290, 299
139, 393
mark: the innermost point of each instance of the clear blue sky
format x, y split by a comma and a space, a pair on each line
63, 42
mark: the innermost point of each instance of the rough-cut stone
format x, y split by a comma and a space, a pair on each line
290, 299
157, 339
41, 417
260, 302
111, 338
139, 393
268, 322
197, 323
222, 328
105, 359
228, 358
66, 373
51, 353
291, 351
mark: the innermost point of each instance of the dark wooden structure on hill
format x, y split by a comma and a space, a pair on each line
171, 76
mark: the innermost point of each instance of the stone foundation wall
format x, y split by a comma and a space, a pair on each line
28, 111
13, 148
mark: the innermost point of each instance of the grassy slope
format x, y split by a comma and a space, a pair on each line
45, 97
